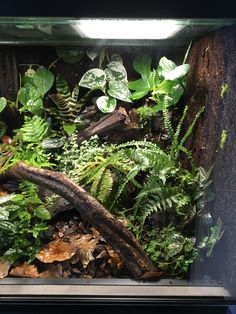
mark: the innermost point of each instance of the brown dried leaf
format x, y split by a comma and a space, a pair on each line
86, 251
58, 250
53, 271
4, 267
25, 270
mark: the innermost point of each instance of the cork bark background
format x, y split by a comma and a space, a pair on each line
213, 63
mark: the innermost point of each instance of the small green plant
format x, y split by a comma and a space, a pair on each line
172, 252
214, 235
112, 81
163, 85
20, 229
223, 138
35, 84
224, 90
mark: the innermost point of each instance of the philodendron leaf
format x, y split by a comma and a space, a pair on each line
165, 87
178, 73
165, 66
93, 79
119, 90
116, 71
139, 94
106, 104
142, 65
70, 54
43, 79
3, 103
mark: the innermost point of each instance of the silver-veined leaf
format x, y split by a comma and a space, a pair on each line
106, 104
119, 90
93, 79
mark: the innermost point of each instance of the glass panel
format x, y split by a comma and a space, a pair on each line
140, 115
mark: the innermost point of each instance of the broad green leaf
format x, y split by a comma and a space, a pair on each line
93, 79
165, 87
34, 106
139, 94
116, 71
34, 93
119, 90
106, 104
70, 54
139, 85
22, 96
42, 213
174, 248
43, 80
142, 65
165, 66
3, 103
177, 73
69, 128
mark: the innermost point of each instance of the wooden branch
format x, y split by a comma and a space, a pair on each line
115, 120
113, 231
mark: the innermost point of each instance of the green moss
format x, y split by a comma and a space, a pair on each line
224, 89
223, 138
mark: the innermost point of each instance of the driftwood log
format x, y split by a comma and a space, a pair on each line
113, 231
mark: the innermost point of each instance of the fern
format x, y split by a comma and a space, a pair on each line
192, 125
34, 130
168, 124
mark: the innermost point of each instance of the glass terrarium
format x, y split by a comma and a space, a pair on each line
117, 158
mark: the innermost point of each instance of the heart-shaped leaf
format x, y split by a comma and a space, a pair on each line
116, 71
69, 128
178, 73
3, 103
117, 58
106, 104
119, 90
43, 80
165, 66
93, 79
142, 65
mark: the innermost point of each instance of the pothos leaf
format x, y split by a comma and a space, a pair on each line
119, 90
93, 79
116, 71
106, 104
43, 79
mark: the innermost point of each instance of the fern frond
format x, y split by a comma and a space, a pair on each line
34, 130
190, 129
106, 185
174, 145
168, 124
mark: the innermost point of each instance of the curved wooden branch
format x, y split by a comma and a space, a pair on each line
113, 231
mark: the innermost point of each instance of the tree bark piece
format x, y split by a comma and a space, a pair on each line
111, 122
113, 231
212, 60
